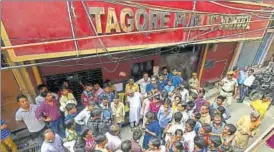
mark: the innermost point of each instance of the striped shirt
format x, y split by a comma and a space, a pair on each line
4, 132
29, 118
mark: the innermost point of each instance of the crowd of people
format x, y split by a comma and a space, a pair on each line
165, 114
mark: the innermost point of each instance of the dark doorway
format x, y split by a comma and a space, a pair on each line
137, 69
75, 79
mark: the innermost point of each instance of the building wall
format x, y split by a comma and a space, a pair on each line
9, 106
248, 53
110, 70
217, 61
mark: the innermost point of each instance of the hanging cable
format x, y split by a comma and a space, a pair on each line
72, 29
101, 43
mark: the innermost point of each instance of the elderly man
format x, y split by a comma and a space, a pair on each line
134, 99
114, 141
194, 83
247, 127
53, 142
229, 87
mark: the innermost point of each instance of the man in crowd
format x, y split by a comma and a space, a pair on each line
194, 83
49, 112
246, 84
26, 113
97, 92
87, 95
134, 99
247, 127
153, 82
132, 85
83, 117
229, 87
6, 140
42, 88
107, 93
52, 143
143, 83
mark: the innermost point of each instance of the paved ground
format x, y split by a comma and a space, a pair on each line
237, 110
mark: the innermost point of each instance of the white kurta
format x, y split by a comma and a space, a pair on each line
135, 104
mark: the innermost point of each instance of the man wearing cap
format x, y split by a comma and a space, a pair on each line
247, 127
132, 85
194, 83
229, 87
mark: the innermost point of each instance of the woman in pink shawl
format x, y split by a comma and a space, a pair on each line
270, 141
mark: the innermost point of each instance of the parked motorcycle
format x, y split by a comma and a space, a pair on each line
263, 84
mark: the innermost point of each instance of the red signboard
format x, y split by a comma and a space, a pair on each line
78, 28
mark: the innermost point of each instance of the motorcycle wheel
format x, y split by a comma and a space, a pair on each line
255, 95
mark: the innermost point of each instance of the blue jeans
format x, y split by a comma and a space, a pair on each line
58, 127
243, 92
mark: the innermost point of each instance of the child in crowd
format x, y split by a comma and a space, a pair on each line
87, 95
200, 144
227, 137
72, 113
214, 143
66, 98
189, 135
205, 131
196, 116
190, 108
175, 102
172, 127
155, 105
177, 136
221, 111
85, 142
101, 141
155, 146
106, 109
71, 135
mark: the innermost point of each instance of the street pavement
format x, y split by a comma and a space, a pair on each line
237, 110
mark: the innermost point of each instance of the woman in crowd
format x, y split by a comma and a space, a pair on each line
152, 130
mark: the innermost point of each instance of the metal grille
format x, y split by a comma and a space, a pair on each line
75, 79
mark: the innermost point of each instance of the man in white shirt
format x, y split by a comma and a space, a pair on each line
83, 117
114, 142
143, 83
247, 83
26, 113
